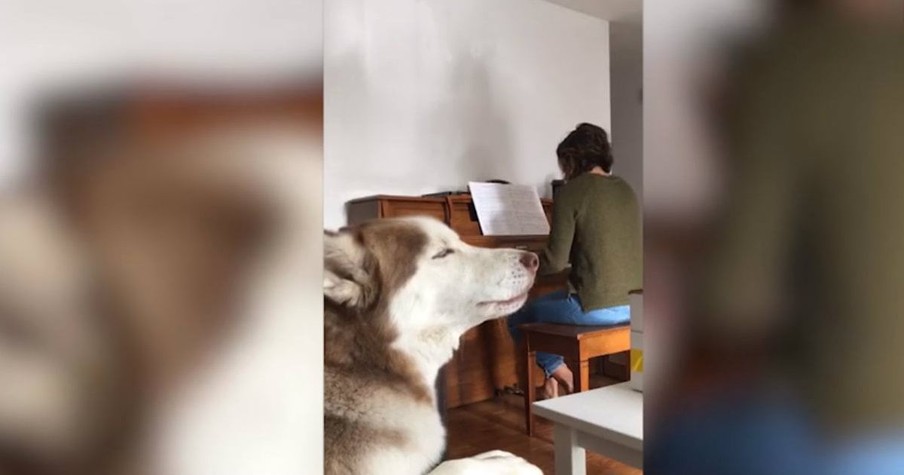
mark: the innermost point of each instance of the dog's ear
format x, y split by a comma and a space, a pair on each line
347, 270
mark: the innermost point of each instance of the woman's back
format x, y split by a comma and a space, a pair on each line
596, 223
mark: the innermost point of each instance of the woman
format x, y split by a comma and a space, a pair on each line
595, 226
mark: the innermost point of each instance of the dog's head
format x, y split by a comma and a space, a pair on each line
424, 274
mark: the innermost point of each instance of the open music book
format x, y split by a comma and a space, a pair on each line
513, 210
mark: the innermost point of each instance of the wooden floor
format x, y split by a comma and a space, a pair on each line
499, 424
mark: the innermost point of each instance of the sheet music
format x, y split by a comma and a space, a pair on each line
508, 209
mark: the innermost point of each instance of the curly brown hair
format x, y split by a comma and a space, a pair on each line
585, 148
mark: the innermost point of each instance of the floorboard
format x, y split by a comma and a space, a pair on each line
499, 424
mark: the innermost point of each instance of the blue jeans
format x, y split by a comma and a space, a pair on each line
752, 435
737, 435
563, 308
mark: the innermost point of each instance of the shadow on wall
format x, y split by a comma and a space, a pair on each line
477, 134
464, 135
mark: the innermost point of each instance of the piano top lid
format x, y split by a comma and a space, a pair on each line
427, 199
398, 198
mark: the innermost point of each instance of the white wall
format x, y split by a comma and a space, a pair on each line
57, 44
626, 53
425, 95
682, 41
610, 10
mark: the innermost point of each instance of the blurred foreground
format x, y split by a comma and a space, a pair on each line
160, 238
775, 279
153, 294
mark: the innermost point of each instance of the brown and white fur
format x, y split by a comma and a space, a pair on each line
151, 305
398, 294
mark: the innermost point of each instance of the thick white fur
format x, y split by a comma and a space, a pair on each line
495, 462
445, 297
43, 401
347, 258
255, 408
448, 296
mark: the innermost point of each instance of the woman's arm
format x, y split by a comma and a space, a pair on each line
554, 258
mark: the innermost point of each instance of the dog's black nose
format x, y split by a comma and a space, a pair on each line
530, 260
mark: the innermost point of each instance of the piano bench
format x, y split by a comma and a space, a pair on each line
577, 344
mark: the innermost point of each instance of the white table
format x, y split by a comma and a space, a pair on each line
608, 421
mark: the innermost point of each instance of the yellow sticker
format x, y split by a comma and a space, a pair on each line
636, 360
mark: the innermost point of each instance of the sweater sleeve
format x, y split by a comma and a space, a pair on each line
554, 258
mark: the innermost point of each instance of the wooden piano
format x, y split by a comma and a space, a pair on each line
485, 361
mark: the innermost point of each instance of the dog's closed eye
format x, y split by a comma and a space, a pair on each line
443, 253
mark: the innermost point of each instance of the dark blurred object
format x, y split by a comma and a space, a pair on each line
556, 184
443, 194
787, 360
152, 209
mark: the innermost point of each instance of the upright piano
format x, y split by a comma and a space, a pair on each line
485, 362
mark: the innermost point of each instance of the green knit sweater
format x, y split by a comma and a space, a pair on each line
596, 226
810, 246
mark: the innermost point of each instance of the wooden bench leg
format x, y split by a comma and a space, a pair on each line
528, 378
581, 374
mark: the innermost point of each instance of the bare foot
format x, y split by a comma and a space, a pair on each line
564, 376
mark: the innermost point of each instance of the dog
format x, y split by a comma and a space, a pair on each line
398, 294
151, 293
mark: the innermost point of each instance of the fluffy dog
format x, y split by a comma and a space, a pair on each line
398, 294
